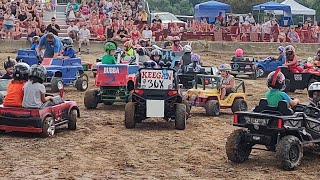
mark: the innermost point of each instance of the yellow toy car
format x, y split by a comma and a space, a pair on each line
206, 93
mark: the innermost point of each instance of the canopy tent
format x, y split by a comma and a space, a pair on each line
297, 9
271, 6
210, 10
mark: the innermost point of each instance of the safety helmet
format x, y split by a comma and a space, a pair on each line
67, 42
276, 80
35, 39
38, 71
290, 48
239, 52
225, 67
281, 49
128, 44
110, 45
141, 51
21, 71
9, 63
176, 38
187, 48
156, 52
195, 58
312, 88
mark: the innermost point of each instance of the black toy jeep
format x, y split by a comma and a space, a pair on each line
244, 66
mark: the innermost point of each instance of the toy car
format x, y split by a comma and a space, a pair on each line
115, 82
300, 80
65, 72
264, 67
43, 120
206, 93
244, 66
28, 56
156, 95
281, 129
4, 83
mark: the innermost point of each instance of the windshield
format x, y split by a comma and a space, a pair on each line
166, 17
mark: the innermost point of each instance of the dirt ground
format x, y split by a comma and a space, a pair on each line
102, 148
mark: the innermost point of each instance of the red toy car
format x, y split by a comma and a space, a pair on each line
43, 120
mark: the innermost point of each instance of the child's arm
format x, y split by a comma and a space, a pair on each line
231, 85
292, 102
44, 98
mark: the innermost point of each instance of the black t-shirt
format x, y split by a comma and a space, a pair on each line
14, 9
49, 29
122, 31
156, 21
22, 17
6, 76
110, 33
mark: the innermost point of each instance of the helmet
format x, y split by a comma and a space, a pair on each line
67, 42
9, 63
276, 80
281, 49
35, 39
141, 51
176, 38
187, 48
128, 44
21, 71
156, 52
311, 89
110, 45
239, 52
38, 71
225, 67
195, 58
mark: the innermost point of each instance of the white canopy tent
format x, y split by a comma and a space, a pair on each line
297, 9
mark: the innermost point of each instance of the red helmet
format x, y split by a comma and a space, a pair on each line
239, 52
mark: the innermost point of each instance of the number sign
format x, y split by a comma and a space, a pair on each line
156, 79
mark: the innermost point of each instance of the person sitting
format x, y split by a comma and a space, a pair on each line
128, 49
35, 42
292, 60
282, 54
142, 54
9, 67
168, 44
276, 84
227, 80
144, 43
238, 55
195, 63
186, 57
156, 56
14, 95
34, 90
68, 51
176, 44
109, 57
314, 94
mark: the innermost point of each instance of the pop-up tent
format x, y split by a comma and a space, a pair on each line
210, 10
272, 6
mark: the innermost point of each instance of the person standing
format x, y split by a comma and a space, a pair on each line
52, 45
53, 27
84, 35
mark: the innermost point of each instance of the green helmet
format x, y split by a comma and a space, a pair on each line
110, 45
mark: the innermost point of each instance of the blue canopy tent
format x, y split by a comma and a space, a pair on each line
271, 6
210, 10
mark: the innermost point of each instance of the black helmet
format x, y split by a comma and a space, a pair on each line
141, 51
9, 63
67, 42
35, 39
276, 80
21, 71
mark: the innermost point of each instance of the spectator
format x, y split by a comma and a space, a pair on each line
23, 19
38, 8
293, 36
135, 35
122, 34
17, 31
220, 18
75, 7
85, 11
110, 33
32, 31
157, 20
233, 22
266, 30
318, 32
2, 12
147, 33
53, 27
8, 23
14, 8
73, 31
275, 32
250, 19
282, 35
100, 33
30, 9
84, 35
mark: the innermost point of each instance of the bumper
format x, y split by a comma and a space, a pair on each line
258, 139
21, 124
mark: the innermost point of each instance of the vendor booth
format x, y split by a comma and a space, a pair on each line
210, 10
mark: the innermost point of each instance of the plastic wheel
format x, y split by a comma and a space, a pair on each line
260, 72
239, 105
48, 127
212, 108
237, 149
72, 122
56, 84
181, 117
129, 117
91, 99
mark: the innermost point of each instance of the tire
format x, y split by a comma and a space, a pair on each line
289, 151
260, 72
56, 84
237, 149
181, 117
48, 127
129, 116
81, 84
91, 99
212, 108
72, 122
239, 105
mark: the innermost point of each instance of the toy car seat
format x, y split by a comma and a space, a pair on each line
283, 107
237, 59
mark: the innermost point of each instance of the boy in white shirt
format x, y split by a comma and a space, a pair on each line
84, 35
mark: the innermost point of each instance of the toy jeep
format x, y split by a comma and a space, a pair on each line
28, 56
244, 66
115, 82
300, 80
156, 95
186, 75
65, 72
264, 67
280, 129
206, 93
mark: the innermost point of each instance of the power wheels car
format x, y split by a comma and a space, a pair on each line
280, 129
28, 56
65, 72
244, 66
207, 91
156, 95
264, 67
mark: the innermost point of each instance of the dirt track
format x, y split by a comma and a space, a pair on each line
101, 147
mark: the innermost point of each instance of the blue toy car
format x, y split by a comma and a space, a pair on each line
264, 67
27, 56
65, 72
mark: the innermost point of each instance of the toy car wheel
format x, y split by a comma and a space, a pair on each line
129, 117
237, 149
239, 105
91, 99
81, 84
56, 84
181, 117
260, 72
212, 108
72, 122
289, 151
48, 127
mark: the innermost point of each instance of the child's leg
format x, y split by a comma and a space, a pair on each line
223, 93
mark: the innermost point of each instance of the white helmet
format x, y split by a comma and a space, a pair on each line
187, 48
313, 87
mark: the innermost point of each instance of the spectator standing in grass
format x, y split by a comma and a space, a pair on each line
84, 35
53, 27
8, 24
73, 31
